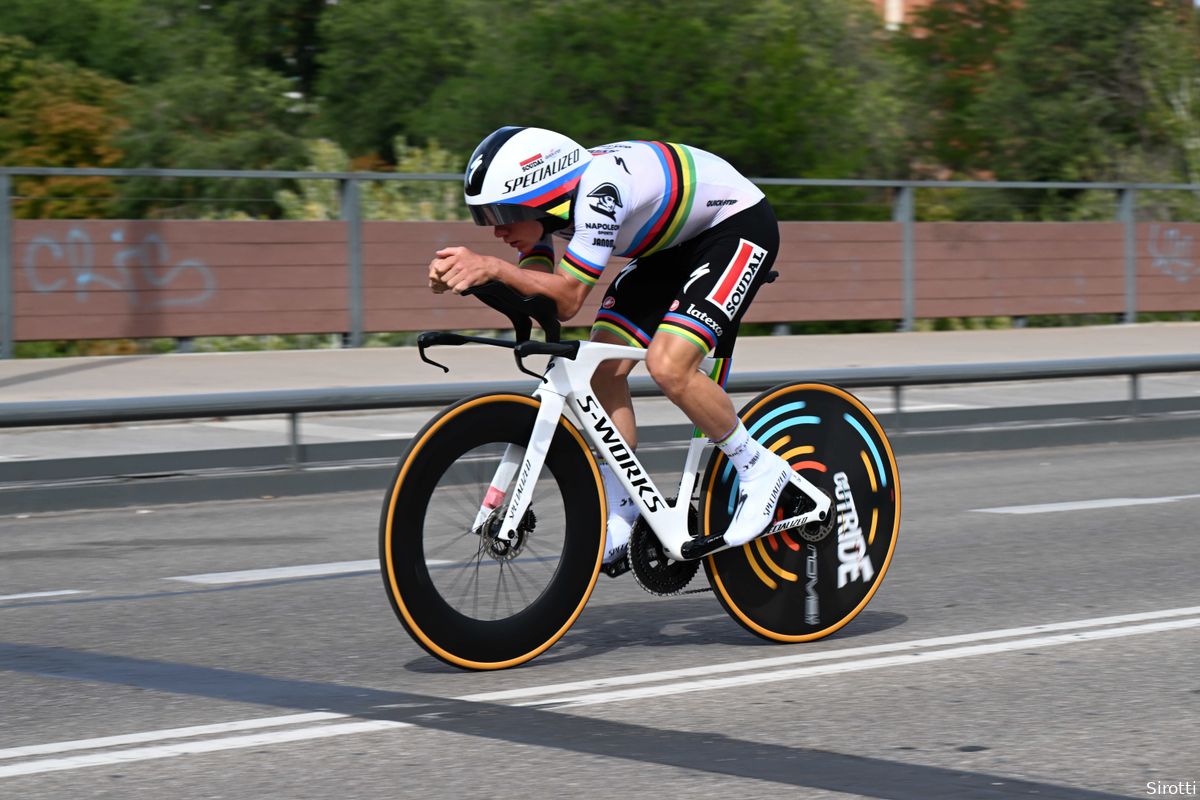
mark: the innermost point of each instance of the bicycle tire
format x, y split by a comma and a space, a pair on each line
784, 587
430, 508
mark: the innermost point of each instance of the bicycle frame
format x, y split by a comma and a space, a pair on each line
566, 389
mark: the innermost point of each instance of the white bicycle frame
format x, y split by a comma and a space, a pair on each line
566, 389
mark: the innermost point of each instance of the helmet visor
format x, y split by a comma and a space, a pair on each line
504, 213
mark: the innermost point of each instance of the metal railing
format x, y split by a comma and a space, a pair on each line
294, 403
903, 203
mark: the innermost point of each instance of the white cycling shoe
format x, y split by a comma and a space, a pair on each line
616, 540
758, 495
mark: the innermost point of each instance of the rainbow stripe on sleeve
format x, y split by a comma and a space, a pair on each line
580, 268
539, 257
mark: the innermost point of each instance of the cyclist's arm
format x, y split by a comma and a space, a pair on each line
540, 257
458, 268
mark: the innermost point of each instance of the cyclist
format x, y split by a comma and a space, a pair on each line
701, 239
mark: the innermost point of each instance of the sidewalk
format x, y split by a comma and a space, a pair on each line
140, 376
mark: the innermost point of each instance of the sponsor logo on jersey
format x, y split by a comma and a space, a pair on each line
734, 284
609, 301
674, 305
719, 203
606, 200
699, 314
547, 170
603, 243
630, 267
696, 275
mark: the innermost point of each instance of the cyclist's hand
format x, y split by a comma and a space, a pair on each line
435, 280
457, 269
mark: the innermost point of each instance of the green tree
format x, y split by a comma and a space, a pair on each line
17, 58
380, 200
380, 60
213, 118
57, 115
800, 88
951, 50
1171, 75
1068, 101
279, 35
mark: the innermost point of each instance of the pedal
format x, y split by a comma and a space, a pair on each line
618, 567
700, 546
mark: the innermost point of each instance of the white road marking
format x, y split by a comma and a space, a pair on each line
192, 748
298, 571
276, 573
757, 678
1086, 505
827, 655
30, 595
169, 733
847, 660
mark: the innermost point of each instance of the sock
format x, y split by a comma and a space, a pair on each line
742, 451
620, 504
622, 513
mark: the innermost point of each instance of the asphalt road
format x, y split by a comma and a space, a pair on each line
1034, 649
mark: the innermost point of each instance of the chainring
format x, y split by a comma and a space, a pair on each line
652, 568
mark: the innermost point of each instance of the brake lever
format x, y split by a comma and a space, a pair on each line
424, 340
521, 366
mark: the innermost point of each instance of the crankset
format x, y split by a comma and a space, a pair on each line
653, 569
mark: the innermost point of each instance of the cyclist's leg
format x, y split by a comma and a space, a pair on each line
673, 362
728, 264
631, 307
611, 385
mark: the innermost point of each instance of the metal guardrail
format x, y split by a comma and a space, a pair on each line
294, 402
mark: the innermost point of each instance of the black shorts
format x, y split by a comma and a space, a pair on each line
698, 289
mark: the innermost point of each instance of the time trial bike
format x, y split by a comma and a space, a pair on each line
492, 533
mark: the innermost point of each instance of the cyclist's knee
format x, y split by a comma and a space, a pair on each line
671, 368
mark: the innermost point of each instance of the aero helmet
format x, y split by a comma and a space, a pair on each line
523, 173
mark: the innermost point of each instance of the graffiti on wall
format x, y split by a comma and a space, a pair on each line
1172, 253
140, 266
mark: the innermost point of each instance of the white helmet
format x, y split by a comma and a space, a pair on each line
523, 173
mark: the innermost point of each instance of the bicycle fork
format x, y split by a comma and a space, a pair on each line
525, 465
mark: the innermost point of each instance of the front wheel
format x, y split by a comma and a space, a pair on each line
466, 595
802, 584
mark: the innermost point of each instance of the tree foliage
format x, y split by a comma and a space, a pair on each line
1012, 89
380, 60
57, 115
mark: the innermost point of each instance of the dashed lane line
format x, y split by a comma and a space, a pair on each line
1087, 505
